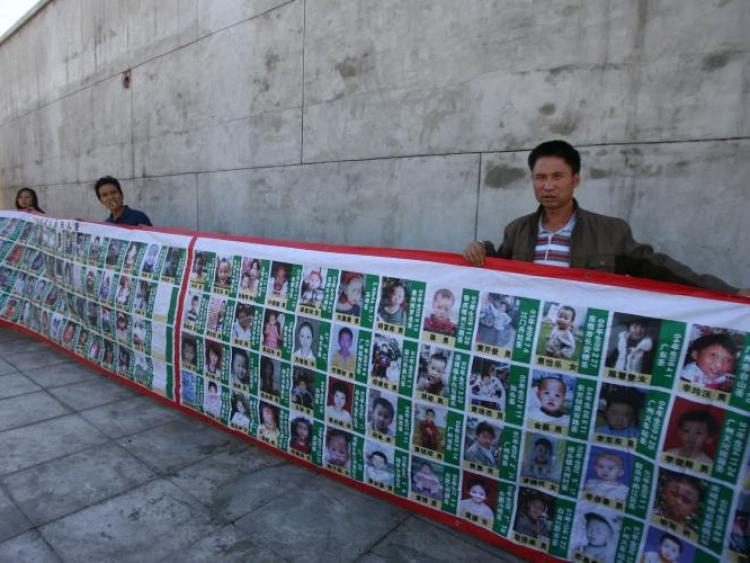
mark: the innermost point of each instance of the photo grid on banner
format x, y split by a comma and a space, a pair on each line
587, 428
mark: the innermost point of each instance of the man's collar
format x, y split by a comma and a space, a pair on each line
124, 210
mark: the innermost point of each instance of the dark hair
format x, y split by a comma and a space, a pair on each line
702, 417
484, 427
381, 454
300, 420
346, 330
334, 432
625, 396
210, 383
568, 308
672, 477
720, 338
593, 516
476, 483
560, 149
439, 357
308, 325
386, 404
428, 411
670, 537
34, 199
341, 388
103, 181
543, 442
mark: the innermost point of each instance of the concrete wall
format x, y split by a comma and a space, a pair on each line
389, 122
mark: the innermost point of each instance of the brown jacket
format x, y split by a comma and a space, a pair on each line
605, 244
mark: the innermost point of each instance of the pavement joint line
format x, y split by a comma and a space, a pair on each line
377, 542
13, 428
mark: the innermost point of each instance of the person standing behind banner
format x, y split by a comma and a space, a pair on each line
26, 200
560, 233
109, 192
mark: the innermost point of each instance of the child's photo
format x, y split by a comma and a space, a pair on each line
386, 359
131, 254
270, 376
712, 358
429, 427
482, 443
561, 331
240, 413
478, 497
350, 294
427, 478
123, 290
381, 412
140, 332
663, 547
678, 498
303, 387
632, 343
188, 351
595, 532
223, 276
551, 398
123, 360
211, 398
488, 383
542, 457
149, 260
306, 337
240, 366
434, 369
249, 276
739, 540
380, 463
337, 450
313, 286
608, 474
105, 286
172, 263
300, 432
213, 359
442, 316
619, 411
498, 319
113, 252
202, 265
344, 349
339, 401
268, 430
278, 283
535, 513
273, 327
122, 323
217, 313
693, 431
393, 307
142, 295
242, 326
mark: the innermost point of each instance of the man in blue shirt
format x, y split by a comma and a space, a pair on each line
109, 192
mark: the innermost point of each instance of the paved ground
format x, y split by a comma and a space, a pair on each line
92, 471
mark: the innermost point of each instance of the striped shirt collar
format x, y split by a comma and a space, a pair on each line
553, 247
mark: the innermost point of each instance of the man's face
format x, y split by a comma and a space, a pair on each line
554, 182
110, 197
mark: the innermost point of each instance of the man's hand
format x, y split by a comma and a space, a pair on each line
475, 253
741, 292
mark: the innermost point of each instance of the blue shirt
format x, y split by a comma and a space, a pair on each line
130, 217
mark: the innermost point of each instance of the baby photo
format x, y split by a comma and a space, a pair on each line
268, 429
149, 260
188, 352
393, 306
350, 295
488, 384
216, 315
249, 277
595, 532
482, 444
337, 450
172, 263
131, 255
429, 429
619, 411
239, 416
278, 283
664, 547
273, 329
498, 320
223, 276
300, 432
561, 331
313, 287
608, 475
380, 461
478, 499
143, 293
632, 343
240, 367
202, 269
381, 414
542, 457
711, 359
386, 361
442, 315
679, 498
534, 514
303, 388
113, 252
213, 359
339, 402
550, 399
427, 479
693, 434
270, 377
343, 354
193, 306
242, 326
433, 373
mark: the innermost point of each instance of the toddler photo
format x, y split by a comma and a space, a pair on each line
632, 343
711, 358
441, 317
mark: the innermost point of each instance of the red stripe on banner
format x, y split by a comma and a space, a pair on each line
450, 521
177, 344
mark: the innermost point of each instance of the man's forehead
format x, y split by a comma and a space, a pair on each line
548, 164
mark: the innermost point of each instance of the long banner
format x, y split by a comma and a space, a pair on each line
580, 417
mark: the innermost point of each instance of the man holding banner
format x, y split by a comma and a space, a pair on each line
109, 192
560, 233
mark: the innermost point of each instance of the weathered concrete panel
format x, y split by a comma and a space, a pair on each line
230, 100
169, 201
676, 197
214, 15
414, 202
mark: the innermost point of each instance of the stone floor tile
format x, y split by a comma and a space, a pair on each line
322, 521
16, 383
130, 416
12, 520
5, 367
177, 444
61, 374
38, 359
227, 545
43, 441
28, 409
27, 547
64, 485
92, 393
144, 524
233, 484
13, 346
